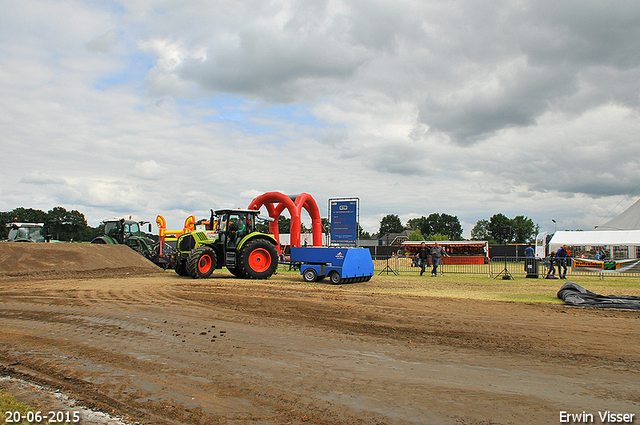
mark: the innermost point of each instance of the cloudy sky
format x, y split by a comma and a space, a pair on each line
464, 107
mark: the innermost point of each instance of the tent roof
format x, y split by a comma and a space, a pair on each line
629, 219
594, 238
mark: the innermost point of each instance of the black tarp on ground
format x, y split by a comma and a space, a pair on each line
575, 295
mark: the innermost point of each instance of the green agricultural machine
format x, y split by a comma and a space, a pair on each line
129, 232
28, 232
230, 241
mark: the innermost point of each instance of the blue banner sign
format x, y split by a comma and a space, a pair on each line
344, 222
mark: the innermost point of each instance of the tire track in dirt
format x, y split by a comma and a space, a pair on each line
496, 330
88, 329
148, 344
96, 322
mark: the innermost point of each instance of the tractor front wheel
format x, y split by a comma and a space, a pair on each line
258, 259
201, 262
181, 267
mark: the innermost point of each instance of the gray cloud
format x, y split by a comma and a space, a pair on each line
104, 43
464, 107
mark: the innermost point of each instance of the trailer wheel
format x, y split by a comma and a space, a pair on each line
310, 275
334, 277
258, 259
201, 262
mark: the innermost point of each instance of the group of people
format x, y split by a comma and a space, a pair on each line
435, 252
558, 259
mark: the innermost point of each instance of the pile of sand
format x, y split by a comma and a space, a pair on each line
63, 260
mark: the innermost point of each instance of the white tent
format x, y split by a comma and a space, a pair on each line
621, 231
595, 238
629, 219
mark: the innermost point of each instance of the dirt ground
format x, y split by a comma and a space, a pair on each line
120, 336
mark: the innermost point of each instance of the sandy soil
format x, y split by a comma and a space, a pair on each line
155, 348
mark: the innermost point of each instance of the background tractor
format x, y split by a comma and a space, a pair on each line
129, 232
28, 232
230, 241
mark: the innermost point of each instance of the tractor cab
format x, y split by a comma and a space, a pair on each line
233, 225
125, 232
27, 232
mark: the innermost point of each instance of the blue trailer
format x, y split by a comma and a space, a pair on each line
341, 265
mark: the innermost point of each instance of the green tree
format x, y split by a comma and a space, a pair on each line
284, 224
66, 225
449, 225
262, 226
326, 225
443, 224
481, 231
62, 224
28, 215
497, 223
438, 237
5, 217
390, 224
524, 230
416, 223
362, 234
416, 236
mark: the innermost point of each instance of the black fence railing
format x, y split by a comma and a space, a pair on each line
515, 266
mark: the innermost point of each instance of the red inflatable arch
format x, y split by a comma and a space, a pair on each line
294, 204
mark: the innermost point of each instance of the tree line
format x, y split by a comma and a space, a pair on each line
63, 225
521, 229
72, 226
498, 229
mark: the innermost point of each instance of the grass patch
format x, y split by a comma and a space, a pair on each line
8, 403
487, 288
470, 286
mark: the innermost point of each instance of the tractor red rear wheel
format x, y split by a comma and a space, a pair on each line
258, 259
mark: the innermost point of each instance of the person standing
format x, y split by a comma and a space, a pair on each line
551, 272
422, 256
530, 266
561, 259
436, 254
528, 251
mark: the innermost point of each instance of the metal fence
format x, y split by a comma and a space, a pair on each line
515, 266
404, 265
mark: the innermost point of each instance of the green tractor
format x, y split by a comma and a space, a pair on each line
28, 232
129, 232
231, 241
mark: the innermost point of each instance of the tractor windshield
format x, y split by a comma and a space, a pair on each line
132, 229
111, 229
221, 226
241, 223
31, 233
